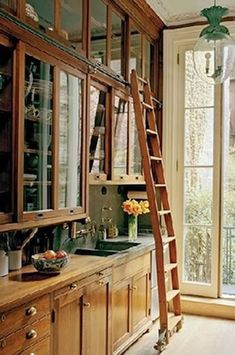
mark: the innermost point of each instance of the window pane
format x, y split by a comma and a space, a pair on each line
120, 136
197, 254
97, 129
199, 133
135, 156
38, 135
117, 44
135, 51
71, 21
197, 92
98, 31
198, 195
70, 141
6, 56
42, 12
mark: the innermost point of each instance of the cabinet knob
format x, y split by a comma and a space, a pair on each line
86, 304
134, 288
3, 317
31, 311
32, 334
101, 283
3, 343
73, 287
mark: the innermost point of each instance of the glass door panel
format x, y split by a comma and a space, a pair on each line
6, 56
98, 30
69, 193
135, 155
120, 137
41, 12
8, 4
97, 130
117, 44
198, 267
136, 50
38, 135
71, 22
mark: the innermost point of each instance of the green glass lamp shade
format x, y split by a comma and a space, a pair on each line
214, 52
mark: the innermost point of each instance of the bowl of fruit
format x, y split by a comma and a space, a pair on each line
50, 262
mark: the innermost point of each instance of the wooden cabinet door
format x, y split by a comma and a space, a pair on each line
140, 299
68, 338
121, 313
97, 311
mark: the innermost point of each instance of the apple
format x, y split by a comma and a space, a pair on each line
49, 254
61, 254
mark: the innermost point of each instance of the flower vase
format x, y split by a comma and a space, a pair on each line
132, 227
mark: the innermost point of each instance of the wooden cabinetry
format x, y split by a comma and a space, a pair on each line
26, 328
82, 316
131, 302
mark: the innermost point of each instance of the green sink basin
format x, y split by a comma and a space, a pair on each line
115, 245
96, 252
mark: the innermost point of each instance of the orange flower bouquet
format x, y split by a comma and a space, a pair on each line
134, 209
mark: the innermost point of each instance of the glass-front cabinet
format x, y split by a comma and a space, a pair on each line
54, 169
6, 129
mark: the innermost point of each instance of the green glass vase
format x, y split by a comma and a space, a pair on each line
132, 227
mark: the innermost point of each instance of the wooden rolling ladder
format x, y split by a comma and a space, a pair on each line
159, 206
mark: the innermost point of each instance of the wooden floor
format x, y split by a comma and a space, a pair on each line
199, 336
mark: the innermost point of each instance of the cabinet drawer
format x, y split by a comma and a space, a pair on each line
131, 268
40, 348
23, 315
25, 337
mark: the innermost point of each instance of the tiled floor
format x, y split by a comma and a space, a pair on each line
199, 336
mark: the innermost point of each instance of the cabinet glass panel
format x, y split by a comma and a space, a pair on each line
149, 62
71, 21
98, 31
135, 51
5, 129
11, 4
41, 12
70, 141
97, 130
117, 44
120, 136
38, 135
135, 156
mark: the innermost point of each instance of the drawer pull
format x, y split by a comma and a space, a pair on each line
32, 334
3, 343
86, 304
101, 283
31, 311
73, 287
3, 317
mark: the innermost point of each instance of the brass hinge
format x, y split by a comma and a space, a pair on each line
178, 58
53, 316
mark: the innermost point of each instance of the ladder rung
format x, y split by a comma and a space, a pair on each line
155, 158
168, 239
173, 321
160, 185
151, 132
142, 80
163, 212
171, 294
169, 267
147, 106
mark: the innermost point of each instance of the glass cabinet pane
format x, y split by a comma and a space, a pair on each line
69, 193
120, 136
71, 21
149, 62
6, 55
38, 135
98, 31
135, 51
41, 12
135, 155
117, 44
97, 130
11, 4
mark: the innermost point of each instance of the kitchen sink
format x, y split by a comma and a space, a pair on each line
96, 252
115, 245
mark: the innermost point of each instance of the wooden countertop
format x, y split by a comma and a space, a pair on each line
20, 286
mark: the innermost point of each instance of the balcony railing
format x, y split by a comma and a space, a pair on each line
229, 256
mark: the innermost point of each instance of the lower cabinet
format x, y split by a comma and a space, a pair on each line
131, 302
81, 317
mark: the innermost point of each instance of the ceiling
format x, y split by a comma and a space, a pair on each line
176, 12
